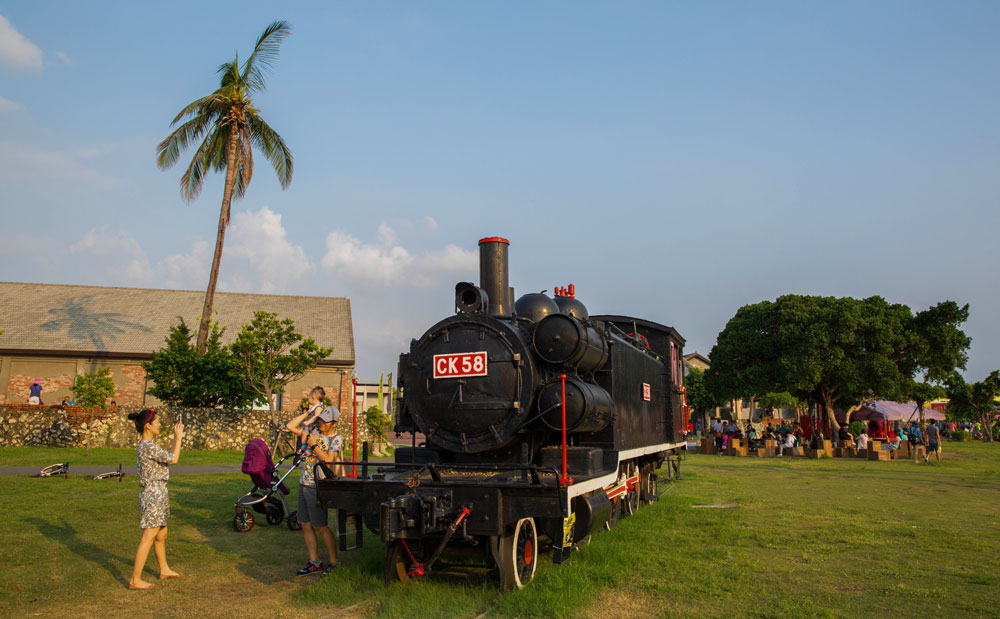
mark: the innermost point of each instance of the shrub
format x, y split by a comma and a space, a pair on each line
93, 390
857, 427
960, 435
378, 424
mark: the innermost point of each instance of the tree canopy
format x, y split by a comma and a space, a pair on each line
182, 377
974, 402
271, 353
836, 351
700, 400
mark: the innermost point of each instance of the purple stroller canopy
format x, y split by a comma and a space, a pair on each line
258, 465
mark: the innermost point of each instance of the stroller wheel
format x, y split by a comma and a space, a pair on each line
243, 521
273, 519
293, 521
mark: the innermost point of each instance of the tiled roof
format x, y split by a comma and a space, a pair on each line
135, 321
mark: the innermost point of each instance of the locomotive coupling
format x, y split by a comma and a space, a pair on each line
412, 516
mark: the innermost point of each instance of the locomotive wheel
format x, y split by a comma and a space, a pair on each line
243, 521
398, 562
648, 487
613, 515
518, 555
631, 501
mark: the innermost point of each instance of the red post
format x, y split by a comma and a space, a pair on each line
565, 480
354, 430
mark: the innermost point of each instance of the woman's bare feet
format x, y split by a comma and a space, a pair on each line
140, 584
170, 574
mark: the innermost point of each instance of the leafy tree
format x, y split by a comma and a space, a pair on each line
700, 400
270, 354
93, 390
229, 128
974, 402
922, 393
182, 377
835, 351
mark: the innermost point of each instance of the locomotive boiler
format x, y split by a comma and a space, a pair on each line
541, 424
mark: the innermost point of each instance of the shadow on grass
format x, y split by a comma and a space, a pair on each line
66, 535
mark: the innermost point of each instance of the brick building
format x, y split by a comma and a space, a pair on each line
54, 332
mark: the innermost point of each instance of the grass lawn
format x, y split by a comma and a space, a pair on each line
110, 456
808, 538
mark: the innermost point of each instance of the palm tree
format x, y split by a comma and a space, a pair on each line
229, 127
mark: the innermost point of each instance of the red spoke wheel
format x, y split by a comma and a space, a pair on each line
293, 521
616, 508
243, 521
518, 555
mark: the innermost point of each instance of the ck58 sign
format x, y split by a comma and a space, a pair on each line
460, 365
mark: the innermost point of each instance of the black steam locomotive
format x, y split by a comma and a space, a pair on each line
540, 421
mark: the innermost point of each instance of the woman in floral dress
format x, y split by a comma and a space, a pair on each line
154, 503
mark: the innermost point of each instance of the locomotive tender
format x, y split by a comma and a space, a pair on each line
540, 420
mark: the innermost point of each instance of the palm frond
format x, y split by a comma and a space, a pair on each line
274, 148
195, 107
169, 150
194, 176
216, 158
265, 52
229, 72
244, 166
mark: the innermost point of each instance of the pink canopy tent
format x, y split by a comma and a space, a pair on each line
894, 411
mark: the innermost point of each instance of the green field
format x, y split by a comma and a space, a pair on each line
112, 456
807, 538
104, 456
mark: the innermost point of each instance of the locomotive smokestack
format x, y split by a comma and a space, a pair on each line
493, 274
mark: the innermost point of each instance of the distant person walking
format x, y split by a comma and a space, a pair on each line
35, 392
915, 439
154, 503
933, 441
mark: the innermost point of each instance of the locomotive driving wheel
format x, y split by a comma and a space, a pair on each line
648, 486
631, 498
518, 554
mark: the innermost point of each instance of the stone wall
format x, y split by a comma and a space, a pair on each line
74, 426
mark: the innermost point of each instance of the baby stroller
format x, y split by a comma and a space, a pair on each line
268, 494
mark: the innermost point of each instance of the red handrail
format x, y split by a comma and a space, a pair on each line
565, 480
354, 430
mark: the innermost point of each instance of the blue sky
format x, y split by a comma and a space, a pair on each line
674, 160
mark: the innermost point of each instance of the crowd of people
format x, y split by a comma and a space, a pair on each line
791, 434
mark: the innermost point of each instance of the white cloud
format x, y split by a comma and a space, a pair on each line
6, 105
386, 262
430, 223
261, 239
22, 162
106, 243
16, 51
63, 58
187, 271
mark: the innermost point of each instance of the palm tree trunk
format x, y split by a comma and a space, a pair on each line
213, 277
